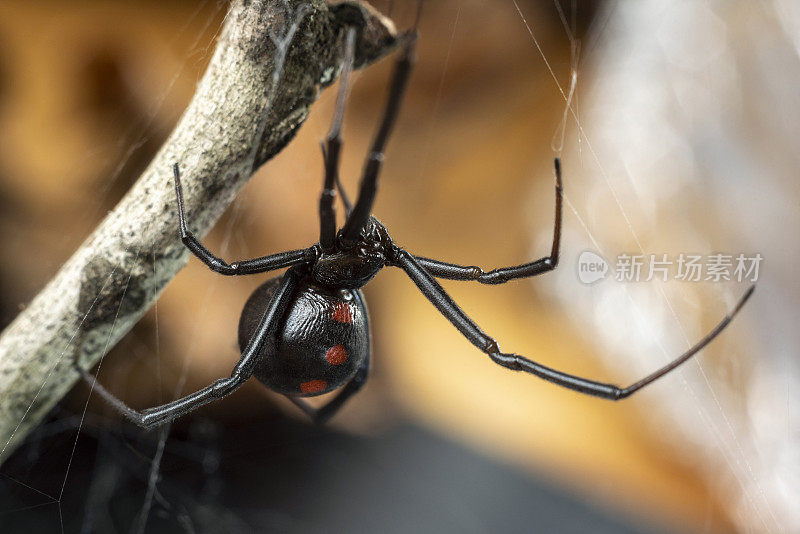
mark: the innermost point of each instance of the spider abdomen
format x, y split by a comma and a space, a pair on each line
319, 344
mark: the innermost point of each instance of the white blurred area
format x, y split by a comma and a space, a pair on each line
686, 142
688, 112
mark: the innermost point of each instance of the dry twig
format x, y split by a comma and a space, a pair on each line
271, 61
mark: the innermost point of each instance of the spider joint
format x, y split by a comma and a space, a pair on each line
492, 348
312, 253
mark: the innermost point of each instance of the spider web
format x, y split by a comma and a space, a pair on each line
708, 416
56, 499
281, 39
707, 407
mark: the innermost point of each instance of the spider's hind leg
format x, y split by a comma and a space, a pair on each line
159, 415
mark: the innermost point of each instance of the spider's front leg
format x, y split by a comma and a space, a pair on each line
437, 295
153, 417
452, 271
218, 265
331, 150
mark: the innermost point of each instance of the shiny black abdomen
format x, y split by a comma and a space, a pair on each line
321, 340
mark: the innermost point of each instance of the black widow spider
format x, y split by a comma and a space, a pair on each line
307, 332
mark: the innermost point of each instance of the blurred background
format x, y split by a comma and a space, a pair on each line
679, 139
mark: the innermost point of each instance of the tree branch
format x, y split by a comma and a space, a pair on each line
271, 61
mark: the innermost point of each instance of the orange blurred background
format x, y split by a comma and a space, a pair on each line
88, 91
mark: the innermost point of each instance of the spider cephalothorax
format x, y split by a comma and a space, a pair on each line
306, 332
353, 264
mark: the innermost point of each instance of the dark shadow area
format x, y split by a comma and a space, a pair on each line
275, 474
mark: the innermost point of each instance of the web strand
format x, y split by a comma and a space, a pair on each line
731, 458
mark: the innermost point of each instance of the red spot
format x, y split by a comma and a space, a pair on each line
342, 313
336, 355
313, 386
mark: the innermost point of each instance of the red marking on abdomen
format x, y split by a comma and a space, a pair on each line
342, 313
313, 386
336, 355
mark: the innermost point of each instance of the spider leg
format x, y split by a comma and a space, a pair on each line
451, 271
332, 149
437, 295
153, 417
321, 415
256, 265
348, 206
369, 179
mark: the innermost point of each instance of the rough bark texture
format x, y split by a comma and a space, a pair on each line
270, 63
